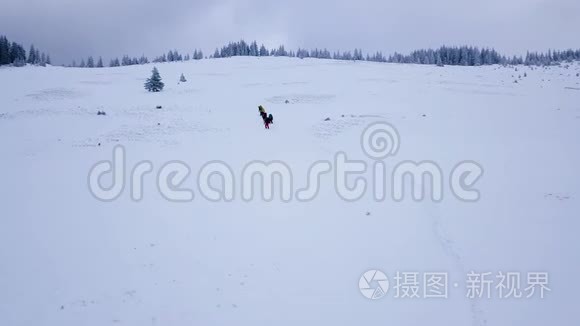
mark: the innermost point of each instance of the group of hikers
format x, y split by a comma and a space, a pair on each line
268, 118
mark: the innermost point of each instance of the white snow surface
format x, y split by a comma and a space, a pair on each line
67, 258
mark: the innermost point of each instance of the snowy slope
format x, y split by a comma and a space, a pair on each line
67, 258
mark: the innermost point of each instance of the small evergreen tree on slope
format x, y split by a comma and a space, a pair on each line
154, 83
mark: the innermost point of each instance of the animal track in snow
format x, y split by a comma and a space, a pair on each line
301, 98
51, 94
557, 196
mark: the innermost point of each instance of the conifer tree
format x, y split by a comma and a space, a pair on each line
154, 83
31, 55
4, 51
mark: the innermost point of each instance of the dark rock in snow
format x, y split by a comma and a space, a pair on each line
327, 119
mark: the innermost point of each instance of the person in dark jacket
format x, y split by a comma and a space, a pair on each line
268, 119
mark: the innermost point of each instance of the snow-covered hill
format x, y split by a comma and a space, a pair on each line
67, 258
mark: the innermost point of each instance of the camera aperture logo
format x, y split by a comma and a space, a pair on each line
373, 284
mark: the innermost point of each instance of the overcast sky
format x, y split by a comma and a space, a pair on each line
71, 29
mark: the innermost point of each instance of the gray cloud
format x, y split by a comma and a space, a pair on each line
73, 29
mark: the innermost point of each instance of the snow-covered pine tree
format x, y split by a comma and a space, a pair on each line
37, 56
263, 51
17, 53
281, 52
154, 83
438, 60
254, 51
90, 62
114, 62
4, 51
31, 55
243, 48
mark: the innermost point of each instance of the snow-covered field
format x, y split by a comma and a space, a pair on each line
67, 258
